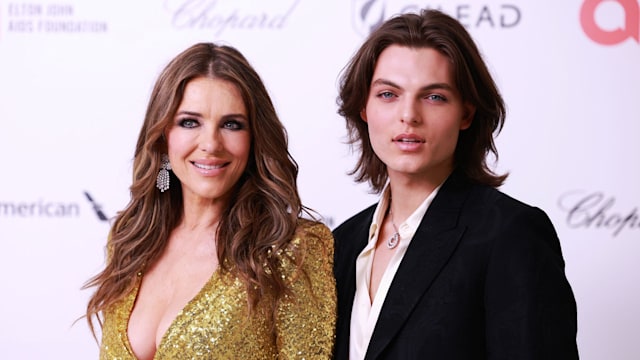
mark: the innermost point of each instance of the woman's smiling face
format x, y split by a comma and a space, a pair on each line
209, 140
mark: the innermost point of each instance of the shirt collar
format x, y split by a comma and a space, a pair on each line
410, 225
381, 209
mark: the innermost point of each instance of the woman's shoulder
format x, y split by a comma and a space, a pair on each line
312, 238
310, 250
309, 230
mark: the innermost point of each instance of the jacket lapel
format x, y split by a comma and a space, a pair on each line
346, 277
430, 249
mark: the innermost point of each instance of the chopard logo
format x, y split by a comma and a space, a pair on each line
220, 16
630, 30
599, 211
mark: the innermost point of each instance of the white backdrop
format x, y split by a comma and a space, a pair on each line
75, 76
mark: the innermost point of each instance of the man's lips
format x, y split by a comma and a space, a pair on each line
408, 138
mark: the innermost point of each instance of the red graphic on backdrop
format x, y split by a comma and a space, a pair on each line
611, 37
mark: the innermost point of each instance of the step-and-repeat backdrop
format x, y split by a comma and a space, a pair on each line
75, 76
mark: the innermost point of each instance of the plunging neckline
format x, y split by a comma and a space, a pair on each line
134, 297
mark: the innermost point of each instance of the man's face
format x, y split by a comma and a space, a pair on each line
414, 113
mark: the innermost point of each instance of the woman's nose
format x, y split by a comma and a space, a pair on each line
210, 140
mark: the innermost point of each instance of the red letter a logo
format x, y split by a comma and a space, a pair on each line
611, 37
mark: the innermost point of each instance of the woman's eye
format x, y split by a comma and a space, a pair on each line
188, 123
233, 125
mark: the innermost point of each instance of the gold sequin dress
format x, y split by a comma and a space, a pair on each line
216, 323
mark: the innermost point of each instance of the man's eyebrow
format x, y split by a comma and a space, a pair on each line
433, 86
385, 82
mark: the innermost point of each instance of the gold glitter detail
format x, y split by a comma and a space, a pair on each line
216, 323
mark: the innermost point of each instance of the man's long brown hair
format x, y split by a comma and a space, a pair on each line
429, 29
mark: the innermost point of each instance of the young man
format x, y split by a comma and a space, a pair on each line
444, 266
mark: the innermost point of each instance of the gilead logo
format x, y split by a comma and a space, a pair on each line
602, 36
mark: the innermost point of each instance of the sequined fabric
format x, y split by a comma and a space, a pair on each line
216, 323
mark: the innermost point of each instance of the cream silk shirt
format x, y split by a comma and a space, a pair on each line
364, 313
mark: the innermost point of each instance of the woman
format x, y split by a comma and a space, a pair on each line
210, 259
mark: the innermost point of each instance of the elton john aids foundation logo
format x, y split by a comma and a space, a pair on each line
630, 29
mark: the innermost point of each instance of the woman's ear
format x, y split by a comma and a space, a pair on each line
363, 115
467, 119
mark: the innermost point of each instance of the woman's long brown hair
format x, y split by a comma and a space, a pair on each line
263, 212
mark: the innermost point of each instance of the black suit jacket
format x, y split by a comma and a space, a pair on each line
483, 278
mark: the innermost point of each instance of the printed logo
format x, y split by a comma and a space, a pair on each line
596, 210
43, 208
97, 208
367, 15
49, 18
220, 16
39, 208
595, 32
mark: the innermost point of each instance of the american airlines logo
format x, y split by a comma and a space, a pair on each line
43, 207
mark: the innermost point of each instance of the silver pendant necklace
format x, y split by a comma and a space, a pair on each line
393, 241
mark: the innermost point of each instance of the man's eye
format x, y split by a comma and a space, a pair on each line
436, 97
386, 95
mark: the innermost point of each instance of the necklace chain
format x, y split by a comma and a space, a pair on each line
395, 238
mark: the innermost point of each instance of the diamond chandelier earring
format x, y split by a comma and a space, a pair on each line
162, 181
